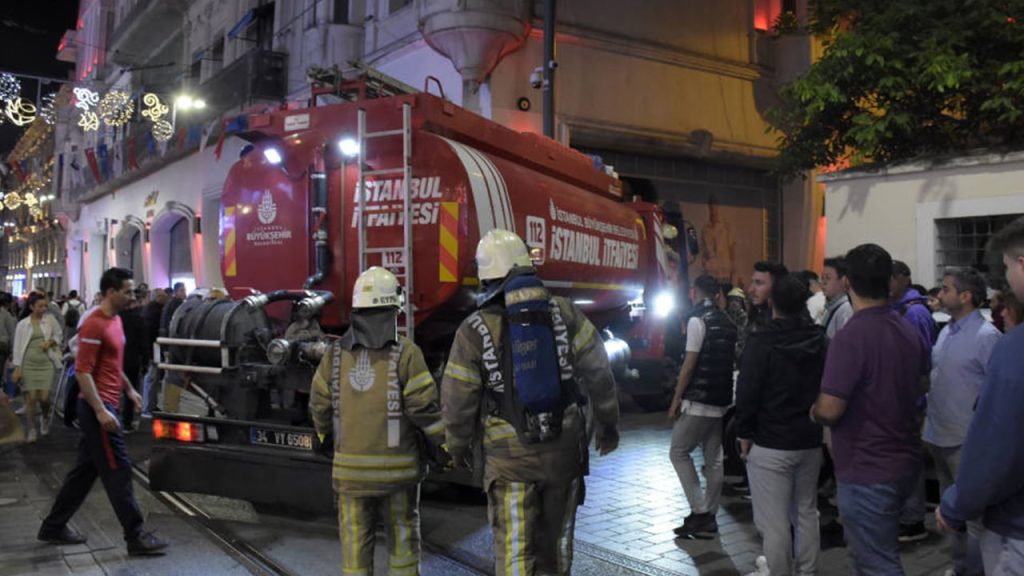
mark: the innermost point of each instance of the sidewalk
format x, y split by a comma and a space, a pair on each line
30, 475
634, 500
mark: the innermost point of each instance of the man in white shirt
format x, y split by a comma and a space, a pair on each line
816, 303
834, 285
703, 394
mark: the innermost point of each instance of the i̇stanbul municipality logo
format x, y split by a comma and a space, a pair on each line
267, 210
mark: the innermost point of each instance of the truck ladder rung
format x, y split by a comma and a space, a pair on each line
383, 134
384, 172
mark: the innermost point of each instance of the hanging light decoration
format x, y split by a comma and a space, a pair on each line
89, 121
30, 199
85, 98
20, 111
162, 130
36, 212
48, 108
116, 108
12, 200
154, 108
10, 87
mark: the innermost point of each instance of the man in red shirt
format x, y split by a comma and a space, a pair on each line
102, 451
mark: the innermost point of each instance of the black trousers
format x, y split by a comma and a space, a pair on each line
127, 406
100, 454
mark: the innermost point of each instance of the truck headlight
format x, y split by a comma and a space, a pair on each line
664, 303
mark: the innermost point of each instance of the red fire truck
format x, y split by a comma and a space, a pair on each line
408, 181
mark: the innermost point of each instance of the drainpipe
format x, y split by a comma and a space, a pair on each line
549, 68
318, 182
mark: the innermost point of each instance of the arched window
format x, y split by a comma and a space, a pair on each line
129, 251
180, 256
170, 247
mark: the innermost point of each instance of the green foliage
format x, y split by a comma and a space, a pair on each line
904, 78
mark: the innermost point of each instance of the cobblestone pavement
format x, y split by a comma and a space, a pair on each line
634, 500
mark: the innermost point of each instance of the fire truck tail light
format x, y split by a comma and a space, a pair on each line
180, 431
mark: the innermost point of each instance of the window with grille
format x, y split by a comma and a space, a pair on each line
962, 241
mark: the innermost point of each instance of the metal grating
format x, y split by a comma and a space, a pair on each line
962, 241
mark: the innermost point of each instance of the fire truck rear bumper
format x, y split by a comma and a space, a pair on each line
260, 475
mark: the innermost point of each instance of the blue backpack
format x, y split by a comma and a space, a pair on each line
531, 341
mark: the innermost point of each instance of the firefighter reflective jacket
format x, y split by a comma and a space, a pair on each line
380, 405
470, 411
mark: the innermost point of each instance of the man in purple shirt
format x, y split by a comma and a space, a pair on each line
868, 398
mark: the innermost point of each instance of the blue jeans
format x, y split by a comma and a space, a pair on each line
914, 506
871, 522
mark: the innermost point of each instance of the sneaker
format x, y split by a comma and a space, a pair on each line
65, 535
44, 427
146, 544
32, 436
913, 532
762, 567
20, 411
697, 524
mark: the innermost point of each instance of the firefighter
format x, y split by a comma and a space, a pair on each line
373, 393
519, 374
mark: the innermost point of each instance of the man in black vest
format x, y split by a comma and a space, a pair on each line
703, 395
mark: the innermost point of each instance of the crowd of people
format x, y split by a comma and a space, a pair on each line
37, 331
867, 370
851, 367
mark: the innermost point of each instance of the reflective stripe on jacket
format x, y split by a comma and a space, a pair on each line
468, 415
375, 403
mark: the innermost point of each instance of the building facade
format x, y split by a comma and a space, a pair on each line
932, 214
673, 96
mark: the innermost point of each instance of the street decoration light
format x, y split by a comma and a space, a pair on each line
116, 108
10, 87
20, 111
155, 110
162, 130
89, 121
48, 108
12, 200
85, 99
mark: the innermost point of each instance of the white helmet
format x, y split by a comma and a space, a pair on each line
377, 288
498, 252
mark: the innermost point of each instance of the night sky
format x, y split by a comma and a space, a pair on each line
30, 31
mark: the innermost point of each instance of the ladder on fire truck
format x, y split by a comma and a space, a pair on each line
404, 267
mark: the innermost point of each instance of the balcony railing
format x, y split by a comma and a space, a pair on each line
258, 75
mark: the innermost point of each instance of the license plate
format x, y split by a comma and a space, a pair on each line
293, 440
